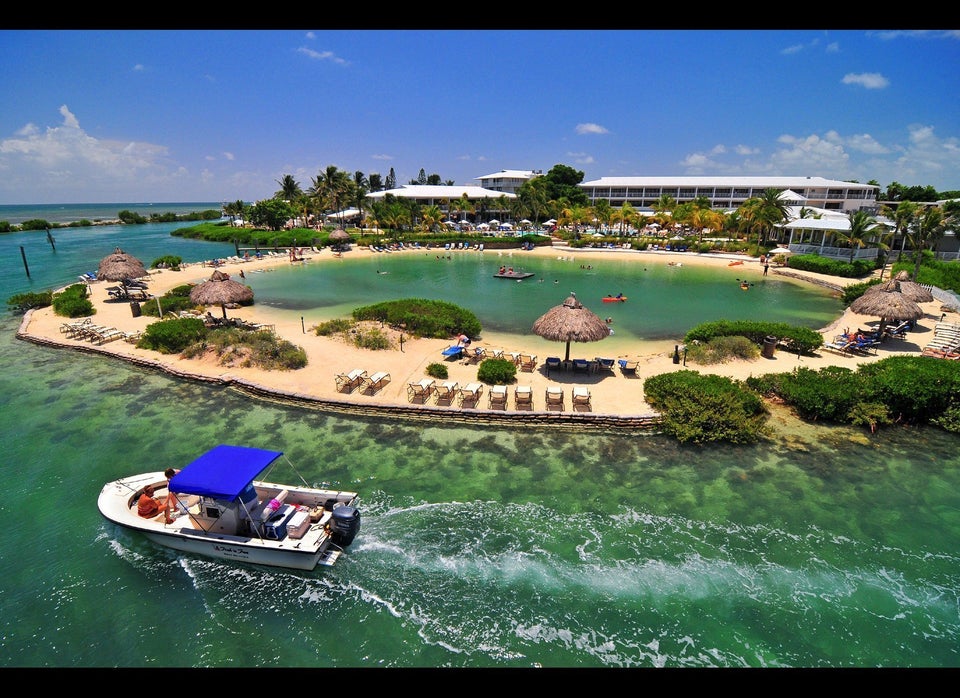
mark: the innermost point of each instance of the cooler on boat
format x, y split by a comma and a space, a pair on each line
298, 524
275, 528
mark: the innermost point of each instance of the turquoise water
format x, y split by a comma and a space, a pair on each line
69, 213
480, 547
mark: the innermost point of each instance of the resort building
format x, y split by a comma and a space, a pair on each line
732, 192
443, 195
508, 180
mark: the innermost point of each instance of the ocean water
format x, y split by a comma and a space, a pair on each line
479, 547
69, 213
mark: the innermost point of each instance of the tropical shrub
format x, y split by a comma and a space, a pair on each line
172, 336
170, 261
73, 302
905, 389
332, 327
721, 349
437, 370
22, 302
497, 372
703, 408
173, 301
832, 267
371, 338
799, 339
237, 347
422, 318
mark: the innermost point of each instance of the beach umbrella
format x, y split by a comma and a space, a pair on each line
339, 237
571, 322
120, 266
887, 304
220, 290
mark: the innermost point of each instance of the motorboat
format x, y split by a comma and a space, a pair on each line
223, 512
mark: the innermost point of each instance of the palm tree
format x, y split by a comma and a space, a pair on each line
289, 189
862, 227
331, 188
430, 217
625, 215
764, 212
905, 212
925, 230
361, 187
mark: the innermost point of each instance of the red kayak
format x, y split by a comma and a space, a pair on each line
614, 299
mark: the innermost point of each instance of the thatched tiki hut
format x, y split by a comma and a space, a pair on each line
120, 266
340, 239
571, 322
887, 302
912, 290
220, 290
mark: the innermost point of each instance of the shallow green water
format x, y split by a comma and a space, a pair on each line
479, 547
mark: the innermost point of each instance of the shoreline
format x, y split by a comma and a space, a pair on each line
617, 401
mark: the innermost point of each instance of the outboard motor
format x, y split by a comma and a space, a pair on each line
344, 525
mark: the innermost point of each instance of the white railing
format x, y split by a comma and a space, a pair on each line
842, 253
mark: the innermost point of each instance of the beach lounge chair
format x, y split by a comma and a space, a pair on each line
347, 382
497, 353
899, 332
841, 346
554, 398
374, 384
628, 367
581, 397
455, 352
523, 397
552, 362
446, 391
470, 394
604, 364
528, 362
420, 392
498, 397
478, 353
581, 365
950, 351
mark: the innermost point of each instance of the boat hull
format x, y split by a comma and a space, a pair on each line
615, 300
514, 275
314, 542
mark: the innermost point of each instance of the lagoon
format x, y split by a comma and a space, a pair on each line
480, 547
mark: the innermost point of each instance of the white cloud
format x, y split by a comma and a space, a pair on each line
322, 55
66, 163
590, 128
581, 158
382, 157
138, 68
872, 81
228, 155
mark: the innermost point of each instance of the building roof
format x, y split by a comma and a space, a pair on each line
441, 191
509, 174
786, 182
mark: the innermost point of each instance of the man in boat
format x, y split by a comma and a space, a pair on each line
148, 506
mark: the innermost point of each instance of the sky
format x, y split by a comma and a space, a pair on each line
130, 115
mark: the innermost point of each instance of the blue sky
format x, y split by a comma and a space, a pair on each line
220, 115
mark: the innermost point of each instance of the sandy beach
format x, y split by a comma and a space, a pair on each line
615, 398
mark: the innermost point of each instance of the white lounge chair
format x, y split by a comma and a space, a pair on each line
498, 397
347, 382
420, 392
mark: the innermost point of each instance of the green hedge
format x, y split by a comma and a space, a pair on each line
796, 339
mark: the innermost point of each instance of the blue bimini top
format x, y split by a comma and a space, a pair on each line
223, 472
